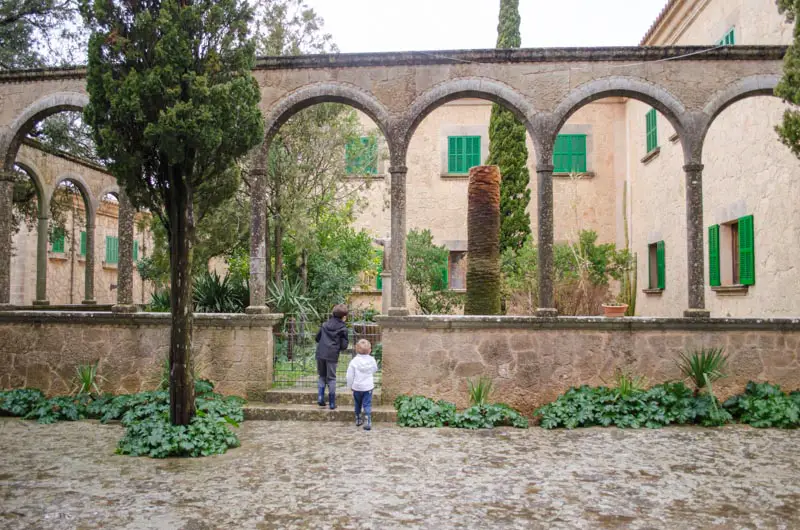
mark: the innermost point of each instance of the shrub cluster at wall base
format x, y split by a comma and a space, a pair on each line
419, 411
762, 405
144, 415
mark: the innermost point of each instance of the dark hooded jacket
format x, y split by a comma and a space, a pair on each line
331, 339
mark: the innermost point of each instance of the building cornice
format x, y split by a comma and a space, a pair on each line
490, 56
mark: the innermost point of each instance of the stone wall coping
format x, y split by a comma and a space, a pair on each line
222, 320
519, 55
591, 323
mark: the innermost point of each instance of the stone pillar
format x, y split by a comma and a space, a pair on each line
694, 241
258, 247
42, 239
125, 258
545, 241
398, 252
386, 292
88, 282
6, 233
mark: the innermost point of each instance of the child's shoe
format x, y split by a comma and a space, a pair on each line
359, 421
368, 424
321, 396
332, 400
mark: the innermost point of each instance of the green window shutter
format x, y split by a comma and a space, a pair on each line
651, 125
112, 249
443, 283
661, 271
463, 152
379, 278
569, 153
747, 258
83, 243
713, 255
57, 240
361, 156
349, 158
371, 154
135, 251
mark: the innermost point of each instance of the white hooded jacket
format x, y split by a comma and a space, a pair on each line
359, 373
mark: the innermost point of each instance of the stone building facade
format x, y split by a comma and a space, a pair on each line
66, 255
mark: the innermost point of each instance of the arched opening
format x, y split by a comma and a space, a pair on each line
752, 223
617, 148
28, 201
448, 133
71, 211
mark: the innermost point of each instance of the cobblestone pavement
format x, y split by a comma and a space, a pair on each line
314, 475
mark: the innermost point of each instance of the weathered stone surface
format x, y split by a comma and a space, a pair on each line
43, 350
435, 355
411, 478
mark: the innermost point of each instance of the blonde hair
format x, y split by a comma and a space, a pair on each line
363, 346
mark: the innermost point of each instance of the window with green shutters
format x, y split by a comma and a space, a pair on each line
463, 153
657, 270
713, 256
569, 154
729, 39
135, 251
379, 278
444, 282
83, 243
57, 240
112, 249
361, 156
651, 122
747, 258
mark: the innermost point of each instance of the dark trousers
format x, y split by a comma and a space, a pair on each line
326, 370
363, 399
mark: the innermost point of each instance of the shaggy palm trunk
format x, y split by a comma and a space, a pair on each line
181, 385
483, 242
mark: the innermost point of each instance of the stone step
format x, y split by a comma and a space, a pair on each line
308, 396
292, 412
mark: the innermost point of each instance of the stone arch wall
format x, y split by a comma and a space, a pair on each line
89, 200
34, 174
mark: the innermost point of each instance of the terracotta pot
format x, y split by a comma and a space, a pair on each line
614, 310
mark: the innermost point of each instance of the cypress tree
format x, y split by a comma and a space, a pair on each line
789, 87
507, 148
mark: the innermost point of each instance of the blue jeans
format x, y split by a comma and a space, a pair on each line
363, 399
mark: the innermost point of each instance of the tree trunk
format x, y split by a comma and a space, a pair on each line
267, 255
483, 242
181, 383
304, 270
278, 248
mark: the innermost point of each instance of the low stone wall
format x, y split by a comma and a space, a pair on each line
533, 360
42, 350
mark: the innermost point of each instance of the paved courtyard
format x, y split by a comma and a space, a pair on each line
315, 475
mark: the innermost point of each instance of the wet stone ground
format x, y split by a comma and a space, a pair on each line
327, 475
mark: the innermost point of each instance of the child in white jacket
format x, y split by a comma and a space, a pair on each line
359, 379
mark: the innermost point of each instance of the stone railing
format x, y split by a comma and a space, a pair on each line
42, 350
533, 360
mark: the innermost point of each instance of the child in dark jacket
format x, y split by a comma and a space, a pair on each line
331, 339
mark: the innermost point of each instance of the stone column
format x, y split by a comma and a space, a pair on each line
42, 239
125, 258
694, 241
88, 282
545, 272
258, 247
6, 233
398, 252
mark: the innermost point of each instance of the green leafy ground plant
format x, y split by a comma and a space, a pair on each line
703, 367
420, 411
479, 392
764, 405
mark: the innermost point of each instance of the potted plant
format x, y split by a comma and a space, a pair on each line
614, 308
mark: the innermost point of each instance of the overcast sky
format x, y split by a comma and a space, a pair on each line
401, 25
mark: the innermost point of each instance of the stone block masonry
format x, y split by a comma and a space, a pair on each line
533, 360
42, 349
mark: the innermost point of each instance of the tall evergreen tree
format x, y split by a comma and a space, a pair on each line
507, 148
789, 87
174, 108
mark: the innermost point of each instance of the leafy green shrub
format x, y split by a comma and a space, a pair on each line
159, 302
216, 294
486, 416
479, 392
20, 401
764, 405
419, 411
426, 275
61, 408
86, 379
666, 404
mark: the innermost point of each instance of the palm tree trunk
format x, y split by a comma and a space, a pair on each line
483, 242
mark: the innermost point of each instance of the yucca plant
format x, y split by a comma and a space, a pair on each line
479, 392
703, 367
86, 380
287, 297
159, 302
215, 294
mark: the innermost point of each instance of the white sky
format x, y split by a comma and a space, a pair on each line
402, 25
